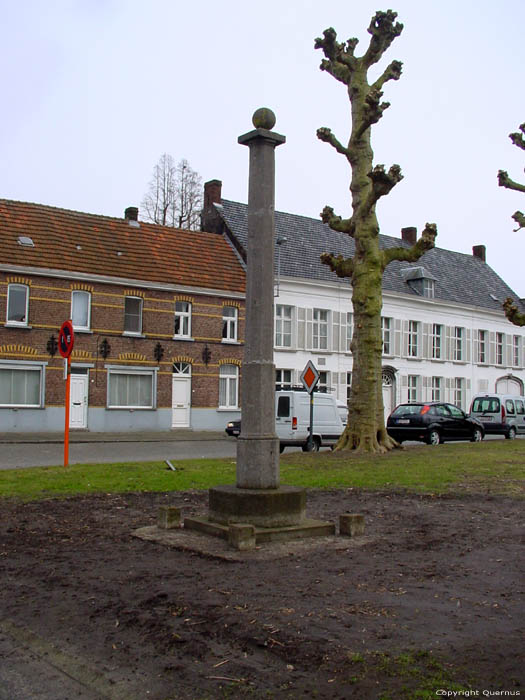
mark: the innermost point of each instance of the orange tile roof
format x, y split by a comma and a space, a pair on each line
89, 243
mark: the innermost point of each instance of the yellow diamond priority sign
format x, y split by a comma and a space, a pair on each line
310, 377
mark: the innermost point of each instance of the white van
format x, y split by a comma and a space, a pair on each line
292, 419
500, 414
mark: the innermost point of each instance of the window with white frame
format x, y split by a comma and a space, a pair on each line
499, 348
228, 386
348, 385
482, 346
324, 382
320, 329
17, 304
131, 388
81, 310
516, 350
283, 326
413, 386
413, 338
21, 385
437, 385
283, 379
182, 319
458, 391
133, 315
349, 330
386, 331
229, 323
428, 288
437, 341
457, 343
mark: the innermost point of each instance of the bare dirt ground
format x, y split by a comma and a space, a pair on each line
431, 596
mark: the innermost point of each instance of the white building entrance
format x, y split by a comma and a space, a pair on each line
78, 401
509, 385
181, 395
388, 393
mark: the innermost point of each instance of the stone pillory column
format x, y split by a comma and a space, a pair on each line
258, 445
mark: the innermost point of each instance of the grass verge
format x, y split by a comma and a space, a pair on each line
496, 467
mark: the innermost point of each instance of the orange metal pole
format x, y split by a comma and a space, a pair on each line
66, 427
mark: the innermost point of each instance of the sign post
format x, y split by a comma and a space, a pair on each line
66, 340
310, 379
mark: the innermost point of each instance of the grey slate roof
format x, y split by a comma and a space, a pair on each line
460, 278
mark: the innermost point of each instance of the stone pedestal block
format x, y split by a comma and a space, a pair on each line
168, 517
280, 507
352, 524
241, 536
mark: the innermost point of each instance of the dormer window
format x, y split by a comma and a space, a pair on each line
420, 281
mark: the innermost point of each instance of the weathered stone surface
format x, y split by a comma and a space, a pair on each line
241, 536
352, 524
168, 517
279, 507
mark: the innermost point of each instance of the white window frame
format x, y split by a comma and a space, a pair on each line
78, 293
127, 315
482, 346
324, 381
386, 334
228, 374
230, 324
113, 370
183, 317
500, 344
413, 339
457, 343
11, 322
412, 388
320, 329
283, 325
348, 385
349, 330
23, 366
283, 378
458, 391
428, 288
437, 341
437, 388
516, 350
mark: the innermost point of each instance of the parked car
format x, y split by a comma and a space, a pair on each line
433, 423
500, 414
292, 420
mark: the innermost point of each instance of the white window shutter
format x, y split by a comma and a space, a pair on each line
309, 328
301, 328
426, 340
468, 345
492, 347
397, 337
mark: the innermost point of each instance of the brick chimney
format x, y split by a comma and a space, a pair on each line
212, 193
210, 218
131, 213
409, 234
479, 251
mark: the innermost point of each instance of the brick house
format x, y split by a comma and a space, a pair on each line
158, 317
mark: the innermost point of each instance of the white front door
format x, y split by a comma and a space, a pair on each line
78, 401
388, 394
508, 385
181, 401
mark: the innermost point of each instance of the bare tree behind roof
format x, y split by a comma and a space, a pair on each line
517, 138
174, 196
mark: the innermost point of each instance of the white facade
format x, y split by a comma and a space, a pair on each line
433, 350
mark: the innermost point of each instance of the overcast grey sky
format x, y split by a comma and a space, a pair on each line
94, 91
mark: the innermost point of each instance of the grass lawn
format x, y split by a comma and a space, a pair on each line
496, 466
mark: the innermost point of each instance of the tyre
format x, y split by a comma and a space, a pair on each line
433, 437
313, 446
477, 435
511, 434
281, 449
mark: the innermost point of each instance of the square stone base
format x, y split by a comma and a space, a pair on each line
307, 528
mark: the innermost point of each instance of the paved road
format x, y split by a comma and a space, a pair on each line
50, 454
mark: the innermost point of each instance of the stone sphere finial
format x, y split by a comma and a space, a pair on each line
263, 118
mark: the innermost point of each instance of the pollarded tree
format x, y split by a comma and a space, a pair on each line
366, 425
511, 310
174, 197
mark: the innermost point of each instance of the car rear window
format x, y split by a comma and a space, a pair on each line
283, 407
486, 405
407, 409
